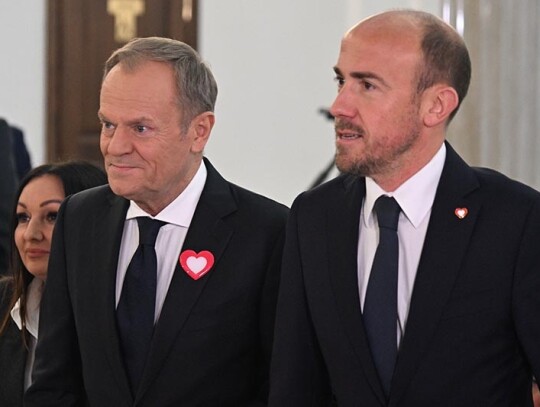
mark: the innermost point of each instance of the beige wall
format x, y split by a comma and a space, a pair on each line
273, 61
22, 70
499, 125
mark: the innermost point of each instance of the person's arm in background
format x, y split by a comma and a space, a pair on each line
8, 184
21, 156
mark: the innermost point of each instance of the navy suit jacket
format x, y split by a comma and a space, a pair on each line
212, 343
473, 331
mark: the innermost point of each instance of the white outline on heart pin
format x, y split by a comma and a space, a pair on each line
195, 264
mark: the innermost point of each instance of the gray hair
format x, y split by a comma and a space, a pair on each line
196, 87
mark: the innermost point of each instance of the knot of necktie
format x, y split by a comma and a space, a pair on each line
148, 230
387, 210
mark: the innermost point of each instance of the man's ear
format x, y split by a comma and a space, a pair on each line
438, 102
201, 127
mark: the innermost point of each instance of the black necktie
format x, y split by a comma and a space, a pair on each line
135, 311
380, 306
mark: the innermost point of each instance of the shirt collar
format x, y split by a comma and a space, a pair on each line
415, 196
180, 211
33, 299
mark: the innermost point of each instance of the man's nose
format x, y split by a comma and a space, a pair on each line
119, 143
343, 105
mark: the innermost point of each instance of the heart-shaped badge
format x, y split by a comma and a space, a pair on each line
195, 264
461, 212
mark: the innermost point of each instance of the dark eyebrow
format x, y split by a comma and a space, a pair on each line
363, 75
50, 201
44, 203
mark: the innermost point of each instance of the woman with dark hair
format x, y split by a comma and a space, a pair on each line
38, 199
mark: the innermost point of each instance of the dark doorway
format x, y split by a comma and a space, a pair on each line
81, 36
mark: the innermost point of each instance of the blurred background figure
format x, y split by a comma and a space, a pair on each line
14, 164
33, 217
8, 184
21, 156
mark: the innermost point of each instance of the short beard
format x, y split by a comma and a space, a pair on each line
369, 165
362, 168
359, 168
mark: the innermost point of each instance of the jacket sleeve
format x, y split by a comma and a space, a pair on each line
526, 289
298, 375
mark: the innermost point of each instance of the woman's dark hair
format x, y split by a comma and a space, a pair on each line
75, 176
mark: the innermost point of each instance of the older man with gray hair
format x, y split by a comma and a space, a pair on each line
162, 285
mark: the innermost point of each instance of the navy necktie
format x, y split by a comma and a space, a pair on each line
136, 308
380, 306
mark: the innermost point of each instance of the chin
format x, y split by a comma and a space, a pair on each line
39, 272
345, 164
359, 169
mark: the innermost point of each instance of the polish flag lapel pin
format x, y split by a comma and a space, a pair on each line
195, 264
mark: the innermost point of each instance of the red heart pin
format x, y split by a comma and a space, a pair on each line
461, 212
195, 264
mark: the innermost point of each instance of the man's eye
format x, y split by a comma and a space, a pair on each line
51, 217
22, 218
140, 129
107, 125
340, 81
368, 85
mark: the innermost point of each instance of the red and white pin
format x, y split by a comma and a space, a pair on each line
461, 213
195, 264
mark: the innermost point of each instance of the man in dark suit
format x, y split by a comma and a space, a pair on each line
217, 250
449, 316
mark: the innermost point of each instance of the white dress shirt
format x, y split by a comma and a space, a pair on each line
169, 242
415, 197
33, 299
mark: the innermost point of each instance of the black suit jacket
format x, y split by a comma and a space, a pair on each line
12, 365
473, 331
12, 357
212, 343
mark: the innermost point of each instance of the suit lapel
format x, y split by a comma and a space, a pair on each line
109, 227
207, 231
446, 241
343, 225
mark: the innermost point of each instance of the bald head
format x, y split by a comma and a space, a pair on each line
392, 22
445, 58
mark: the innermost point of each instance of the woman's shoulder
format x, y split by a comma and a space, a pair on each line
12, 354
6, 292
